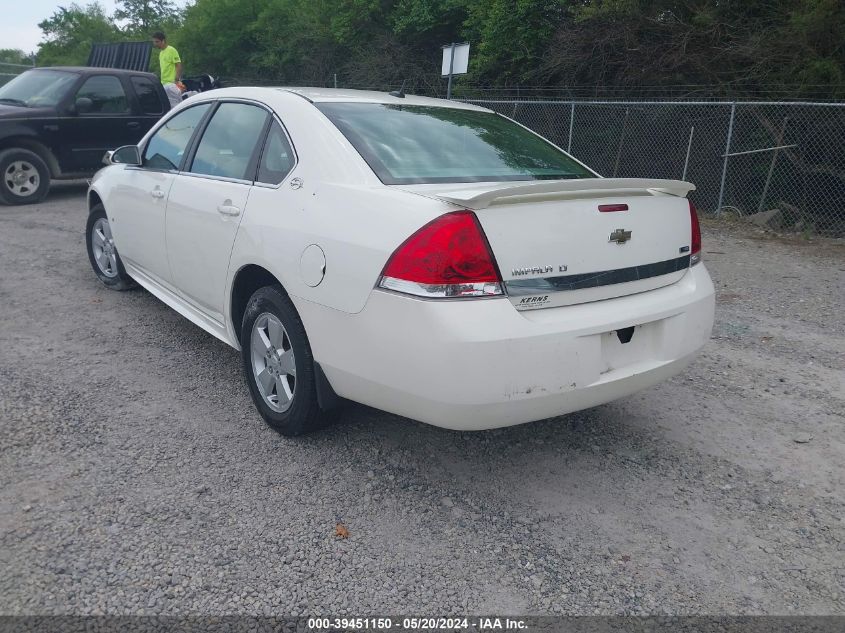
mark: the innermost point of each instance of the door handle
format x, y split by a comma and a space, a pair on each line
133, 124
157, 193
228, 209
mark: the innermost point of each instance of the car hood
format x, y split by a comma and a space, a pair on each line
8, 111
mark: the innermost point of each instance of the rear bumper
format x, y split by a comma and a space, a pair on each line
478, 364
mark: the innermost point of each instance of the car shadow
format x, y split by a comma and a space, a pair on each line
461, 457
66, 189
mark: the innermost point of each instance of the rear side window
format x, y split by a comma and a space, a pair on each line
424, 144
106, 93
277, 159
229, 141
167, 146
147, 95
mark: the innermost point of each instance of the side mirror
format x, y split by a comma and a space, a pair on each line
83, 105
126, 155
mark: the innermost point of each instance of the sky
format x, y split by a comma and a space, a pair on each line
20, 18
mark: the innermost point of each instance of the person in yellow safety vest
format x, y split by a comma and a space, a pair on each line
171, 69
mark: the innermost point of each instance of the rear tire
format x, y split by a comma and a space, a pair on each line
102, 252
24, 177
278, 364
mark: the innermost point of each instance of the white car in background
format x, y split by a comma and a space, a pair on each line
425, 257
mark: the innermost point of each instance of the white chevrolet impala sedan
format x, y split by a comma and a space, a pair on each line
429, 258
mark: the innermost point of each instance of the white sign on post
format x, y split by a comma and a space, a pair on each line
455, 62
459, 64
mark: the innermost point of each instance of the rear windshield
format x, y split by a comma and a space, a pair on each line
422, 144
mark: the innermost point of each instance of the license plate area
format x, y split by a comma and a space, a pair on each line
630, 345
625, 334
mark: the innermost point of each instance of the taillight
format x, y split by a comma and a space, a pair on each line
448, 257
695, 238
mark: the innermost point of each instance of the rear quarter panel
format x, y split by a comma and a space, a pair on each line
357, 228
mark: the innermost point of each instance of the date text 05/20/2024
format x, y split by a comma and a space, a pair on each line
412, 624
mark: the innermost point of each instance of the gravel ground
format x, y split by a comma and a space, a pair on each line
136, 477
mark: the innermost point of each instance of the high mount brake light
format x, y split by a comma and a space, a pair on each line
695, 237
609, 208
448, 257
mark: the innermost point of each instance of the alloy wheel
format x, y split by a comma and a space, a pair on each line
273, 362
21, 178
102, 244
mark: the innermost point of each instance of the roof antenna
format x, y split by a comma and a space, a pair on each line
399, 93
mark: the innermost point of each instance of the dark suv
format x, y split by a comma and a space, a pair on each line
56, 123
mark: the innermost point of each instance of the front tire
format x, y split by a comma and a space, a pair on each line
102, 252
278, 364
24, 177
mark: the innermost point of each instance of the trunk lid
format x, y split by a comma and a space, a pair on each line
555, 247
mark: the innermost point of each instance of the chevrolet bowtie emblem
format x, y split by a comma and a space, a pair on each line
620, 236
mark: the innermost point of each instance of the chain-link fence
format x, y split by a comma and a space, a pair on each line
787, 158
744, 158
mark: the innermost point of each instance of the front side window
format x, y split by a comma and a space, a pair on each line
423, 144
167, 146
148, 95
277, 159
228, 143
36, 88
106, 93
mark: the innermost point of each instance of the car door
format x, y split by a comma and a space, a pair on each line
139, 204
107, 124
207, 200
149, 105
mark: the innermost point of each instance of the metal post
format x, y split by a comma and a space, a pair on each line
689, 147
335, 80
451, 66
772, 165
571, 124
621, 141
725, 162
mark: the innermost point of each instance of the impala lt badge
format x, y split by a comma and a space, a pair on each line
533, 270
620, 236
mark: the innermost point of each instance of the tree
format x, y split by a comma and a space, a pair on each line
219, 37
708, 47
71, 31
816, 28
142, 16
429, 23
511, 36
14, 56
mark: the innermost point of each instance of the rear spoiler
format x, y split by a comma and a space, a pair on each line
483, 196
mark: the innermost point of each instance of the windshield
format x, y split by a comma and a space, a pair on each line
423, 144
37, 88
